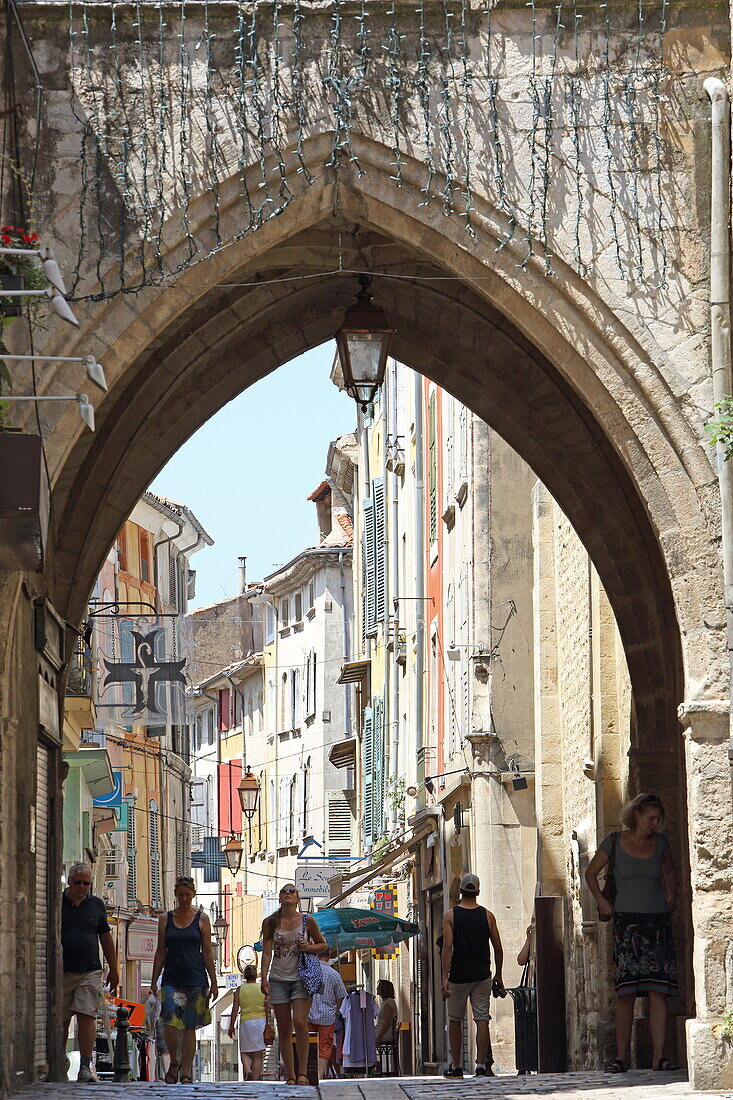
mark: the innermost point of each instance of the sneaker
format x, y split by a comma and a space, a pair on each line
484, 1071
453, 1072
88, 1075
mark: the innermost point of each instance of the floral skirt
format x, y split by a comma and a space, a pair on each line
643, 954
185, 1009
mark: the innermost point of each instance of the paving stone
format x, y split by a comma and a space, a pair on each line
637, 1085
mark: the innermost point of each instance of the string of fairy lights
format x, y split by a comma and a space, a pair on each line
176, 102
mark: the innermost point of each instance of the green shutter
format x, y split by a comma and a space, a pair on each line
380, 551
368, 773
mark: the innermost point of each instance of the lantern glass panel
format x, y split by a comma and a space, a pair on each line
365, 356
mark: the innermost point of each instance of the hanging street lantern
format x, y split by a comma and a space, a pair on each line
233, 854
249, 793
363, 343
221, 928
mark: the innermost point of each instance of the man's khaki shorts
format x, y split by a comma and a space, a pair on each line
458, 994
82, 994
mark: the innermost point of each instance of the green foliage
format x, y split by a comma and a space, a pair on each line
380, 848
727, 1029
396, 796
720, 428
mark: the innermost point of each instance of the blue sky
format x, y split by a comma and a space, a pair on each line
248, 471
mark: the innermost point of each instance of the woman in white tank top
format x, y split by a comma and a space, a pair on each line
283, 942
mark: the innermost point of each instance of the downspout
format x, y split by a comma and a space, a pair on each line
419, 591
394, 700
720, 339
164, 542
424, 969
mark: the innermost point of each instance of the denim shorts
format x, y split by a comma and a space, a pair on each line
282, 993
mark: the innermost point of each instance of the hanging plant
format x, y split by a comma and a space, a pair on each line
720, 428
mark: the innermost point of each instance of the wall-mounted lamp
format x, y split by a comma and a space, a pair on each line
95, 370
57, 300
86, 409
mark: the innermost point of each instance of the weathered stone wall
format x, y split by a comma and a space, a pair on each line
600, 379
582, 717
223, 633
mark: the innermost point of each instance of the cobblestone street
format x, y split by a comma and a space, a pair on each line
642, 1085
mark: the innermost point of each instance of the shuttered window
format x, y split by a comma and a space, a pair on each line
179, 848
154, 818
230, 808
283, 811
378, 767
369, 594
339, 825
380, 551
373, 751
131, 854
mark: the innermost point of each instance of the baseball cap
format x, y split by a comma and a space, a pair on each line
470, 884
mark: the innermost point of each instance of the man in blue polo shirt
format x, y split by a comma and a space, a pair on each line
83, 927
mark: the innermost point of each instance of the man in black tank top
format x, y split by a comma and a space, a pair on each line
468, 929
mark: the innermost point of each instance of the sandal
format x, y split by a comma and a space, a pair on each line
171, 1077
616, 1066
665, 1066
302, 1079
291, 1081
186, 1080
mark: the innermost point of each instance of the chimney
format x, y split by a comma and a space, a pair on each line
242, 575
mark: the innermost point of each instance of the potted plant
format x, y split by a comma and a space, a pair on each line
18, 272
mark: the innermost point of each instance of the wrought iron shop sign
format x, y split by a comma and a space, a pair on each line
143, 669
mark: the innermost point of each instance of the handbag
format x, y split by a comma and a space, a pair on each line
309, 968
268, 1035
609, 886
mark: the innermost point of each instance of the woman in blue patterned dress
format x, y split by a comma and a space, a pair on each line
643, 948
185, 957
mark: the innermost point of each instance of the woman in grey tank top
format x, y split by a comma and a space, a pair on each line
643, 949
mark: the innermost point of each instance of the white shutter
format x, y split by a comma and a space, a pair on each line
155, 899
340, 822
131, 854
41, 924
369, 578
283, 811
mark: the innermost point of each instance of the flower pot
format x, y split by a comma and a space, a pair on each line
11, 307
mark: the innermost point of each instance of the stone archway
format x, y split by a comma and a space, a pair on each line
580, 390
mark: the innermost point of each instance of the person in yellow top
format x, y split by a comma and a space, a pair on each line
253, 1009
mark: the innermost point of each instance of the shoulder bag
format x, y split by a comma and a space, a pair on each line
609, 886
309, 968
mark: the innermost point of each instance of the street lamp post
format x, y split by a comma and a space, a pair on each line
363, 343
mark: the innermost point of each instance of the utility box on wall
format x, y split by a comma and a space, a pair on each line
23, 503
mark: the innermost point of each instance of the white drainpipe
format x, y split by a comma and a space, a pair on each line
720, 333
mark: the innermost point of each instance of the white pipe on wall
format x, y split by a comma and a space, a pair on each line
720, 333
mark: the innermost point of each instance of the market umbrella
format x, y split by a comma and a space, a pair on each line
351, 929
